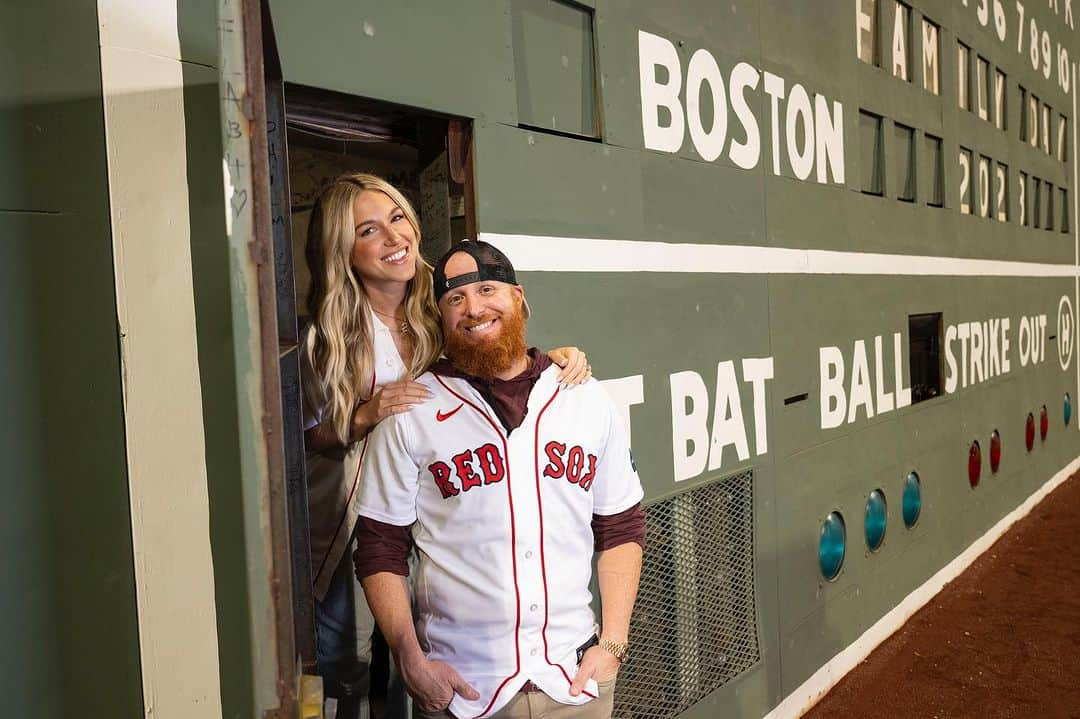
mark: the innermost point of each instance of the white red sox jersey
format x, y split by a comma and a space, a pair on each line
503, 526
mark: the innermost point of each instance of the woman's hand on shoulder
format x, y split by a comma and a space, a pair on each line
575, 365
392, 398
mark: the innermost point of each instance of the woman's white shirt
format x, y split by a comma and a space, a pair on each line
389, 367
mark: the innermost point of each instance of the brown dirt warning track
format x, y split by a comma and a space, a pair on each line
1001, 640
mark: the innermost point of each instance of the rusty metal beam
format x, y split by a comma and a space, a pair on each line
261, 250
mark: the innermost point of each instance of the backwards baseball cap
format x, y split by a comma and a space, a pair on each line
491, 265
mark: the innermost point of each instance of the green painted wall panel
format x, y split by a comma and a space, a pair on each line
41, 99
615, 193
790, 50
554, 68
27, 622
450, 57
701, 203
198, 30
71, 611
73, 648
534, 183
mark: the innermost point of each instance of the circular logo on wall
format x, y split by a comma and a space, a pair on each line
1065, 331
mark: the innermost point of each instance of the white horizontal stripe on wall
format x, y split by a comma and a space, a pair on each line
534, 253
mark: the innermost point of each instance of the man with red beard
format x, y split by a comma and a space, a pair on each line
507, 484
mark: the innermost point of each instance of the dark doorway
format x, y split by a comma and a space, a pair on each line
314, 136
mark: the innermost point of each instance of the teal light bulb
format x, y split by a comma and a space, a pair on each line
877, 518
832, 545
912, 500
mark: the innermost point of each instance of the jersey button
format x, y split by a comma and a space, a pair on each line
532, 653
528, 554
533, 608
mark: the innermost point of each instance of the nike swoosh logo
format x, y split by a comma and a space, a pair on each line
443, 416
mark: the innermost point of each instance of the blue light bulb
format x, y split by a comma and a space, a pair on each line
876, 519
832, 545
912, 500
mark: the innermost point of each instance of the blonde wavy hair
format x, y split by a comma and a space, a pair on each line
339, 342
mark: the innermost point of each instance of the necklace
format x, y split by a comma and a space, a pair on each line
402, 325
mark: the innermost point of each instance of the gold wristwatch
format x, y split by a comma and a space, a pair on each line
619, 650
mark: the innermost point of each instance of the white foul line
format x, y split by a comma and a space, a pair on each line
533, 253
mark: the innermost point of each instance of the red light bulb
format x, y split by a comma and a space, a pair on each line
974, 464
995, 451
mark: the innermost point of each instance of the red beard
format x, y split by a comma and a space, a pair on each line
491, 357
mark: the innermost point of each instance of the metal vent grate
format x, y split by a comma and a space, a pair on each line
694, 626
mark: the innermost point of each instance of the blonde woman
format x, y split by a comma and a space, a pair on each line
374, 328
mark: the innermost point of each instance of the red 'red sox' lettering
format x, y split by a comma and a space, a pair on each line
555, 467
491, 463
440, 472
465, 473
572, 465
485, 458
